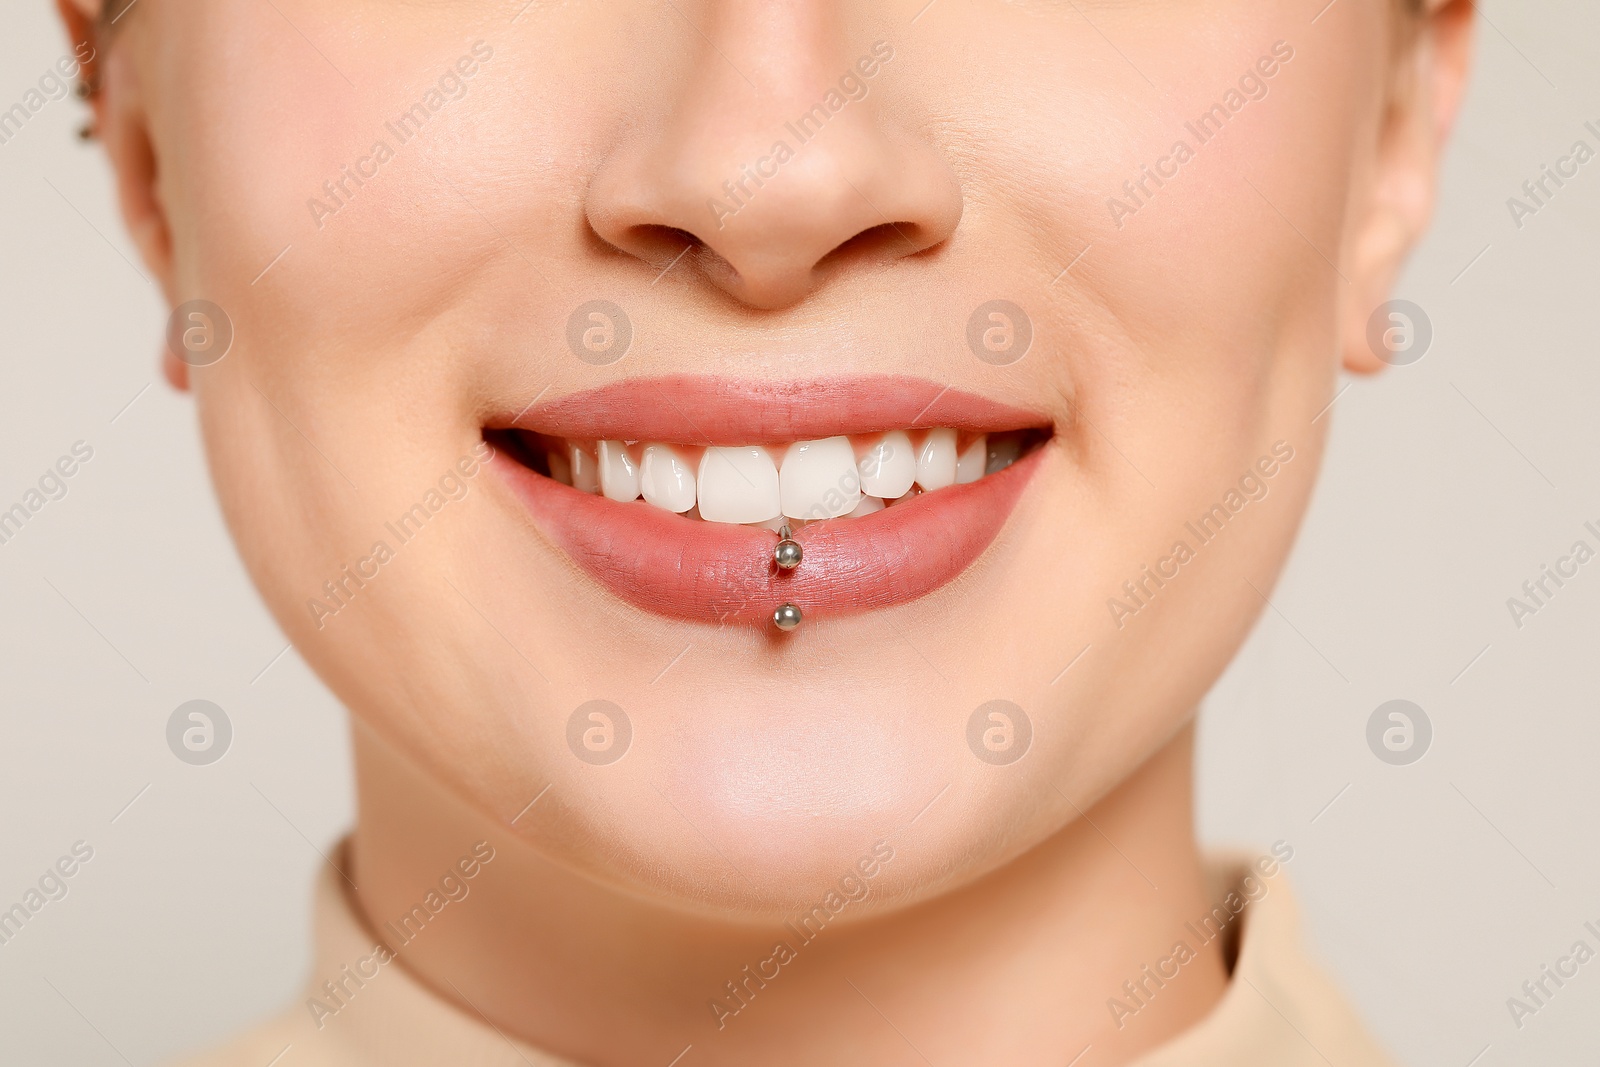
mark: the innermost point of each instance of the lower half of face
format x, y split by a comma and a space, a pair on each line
1016, 352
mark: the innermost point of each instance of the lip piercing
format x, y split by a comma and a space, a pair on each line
787, 553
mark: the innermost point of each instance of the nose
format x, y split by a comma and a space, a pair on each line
771, 162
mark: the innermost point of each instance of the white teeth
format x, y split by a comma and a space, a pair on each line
889, 467
1004, 450
665, 479
619, 474
936, 460
830, 478
969, 468
819, 480
585, 472
738, 485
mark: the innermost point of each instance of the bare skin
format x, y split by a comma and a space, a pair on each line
1189, 333
1012, 968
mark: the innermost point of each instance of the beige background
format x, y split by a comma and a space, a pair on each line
1432, 890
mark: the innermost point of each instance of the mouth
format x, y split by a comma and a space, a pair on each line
675, 494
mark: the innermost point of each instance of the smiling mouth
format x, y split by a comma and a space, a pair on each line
673, 493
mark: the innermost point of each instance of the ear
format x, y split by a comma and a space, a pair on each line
1430, 76
120, 123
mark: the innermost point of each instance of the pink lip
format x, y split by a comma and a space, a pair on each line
713, 572
687, 409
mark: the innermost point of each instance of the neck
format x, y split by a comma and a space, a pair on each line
1022, 966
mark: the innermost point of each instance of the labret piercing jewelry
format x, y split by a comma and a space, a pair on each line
787, 554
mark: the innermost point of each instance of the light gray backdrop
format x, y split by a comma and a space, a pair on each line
1433, 890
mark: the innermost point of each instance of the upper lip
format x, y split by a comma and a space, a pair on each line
715, 410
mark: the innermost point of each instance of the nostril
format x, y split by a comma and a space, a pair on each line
676, 236
667, 247
890, 240
656, 244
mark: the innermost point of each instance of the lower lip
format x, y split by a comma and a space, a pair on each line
716, 572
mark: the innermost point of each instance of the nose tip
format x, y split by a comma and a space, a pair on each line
771, 241
767, 209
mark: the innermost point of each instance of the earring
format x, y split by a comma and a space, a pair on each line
86, 91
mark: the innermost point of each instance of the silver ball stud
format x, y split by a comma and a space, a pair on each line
787, 554
786, 618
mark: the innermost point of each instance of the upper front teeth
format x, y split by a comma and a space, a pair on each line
619, 474
738, 485
890, 466
823, 479
819, 479
936, 460
665, 479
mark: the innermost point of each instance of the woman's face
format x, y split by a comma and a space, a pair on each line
744, 224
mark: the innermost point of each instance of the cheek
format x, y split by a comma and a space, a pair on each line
1197, 326
364, 177
1199, 316
351, 275
1223, 255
